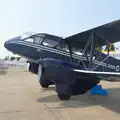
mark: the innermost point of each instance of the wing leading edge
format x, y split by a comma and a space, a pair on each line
109, 32
108, 76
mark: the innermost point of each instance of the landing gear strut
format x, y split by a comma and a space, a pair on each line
42, 79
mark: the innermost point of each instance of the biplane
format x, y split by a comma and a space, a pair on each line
75, 64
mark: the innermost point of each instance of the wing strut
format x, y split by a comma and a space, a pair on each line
92, 50
94, 54
71, 58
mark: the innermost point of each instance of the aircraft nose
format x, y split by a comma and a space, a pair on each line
9, 43
6, 44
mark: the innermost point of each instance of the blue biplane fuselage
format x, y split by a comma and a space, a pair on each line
38, 47
57, 62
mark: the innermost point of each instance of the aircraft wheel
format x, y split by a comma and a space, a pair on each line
40, 71
40, 78
44, 85
63, 96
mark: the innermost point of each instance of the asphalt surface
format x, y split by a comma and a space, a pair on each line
22, 98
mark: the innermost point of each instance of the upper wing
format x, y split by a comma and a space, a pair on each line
109, 31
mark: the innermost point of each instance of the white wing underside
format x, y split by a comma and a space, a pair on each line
107, 76
97, 72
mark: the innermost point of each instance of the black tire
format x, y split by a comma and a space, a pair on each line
63, 96
43, 85
33, 68
43, 82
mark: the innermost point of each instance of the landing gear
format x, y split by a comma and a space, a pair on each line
32, 67
44, 85
40, 78
63, 96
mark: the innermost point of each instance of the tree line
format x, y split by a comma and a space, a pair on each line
11, 58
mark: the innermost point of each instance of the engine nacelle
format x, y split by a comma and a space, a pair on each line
33, 68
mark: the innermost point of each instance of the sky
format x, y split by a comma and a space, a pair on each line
57, 17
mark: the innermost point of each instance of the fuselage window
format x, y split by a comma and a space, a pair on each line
34, 39
38, 39
49, 42
76, 51
29, 40
63, 47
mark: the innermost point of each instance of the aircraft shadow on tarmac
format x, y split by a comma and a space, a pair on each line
111, 101
51, 88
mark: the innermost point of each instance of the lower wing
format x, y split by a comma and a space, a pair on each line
108, 76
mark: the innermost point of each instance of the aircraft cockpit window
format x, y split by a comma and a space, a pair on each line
63, 47
49, 42
29, 40
38, 39
76, 51
27, 34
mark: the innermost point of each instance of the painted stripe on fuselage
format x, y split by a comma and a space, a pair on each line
41, 47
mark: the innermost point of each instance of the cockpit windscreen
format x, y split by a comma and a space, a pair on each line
27, 34
34, 38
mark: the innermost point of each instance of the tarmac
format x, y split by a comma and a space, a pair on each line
22, 98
